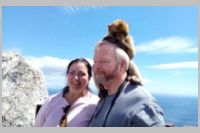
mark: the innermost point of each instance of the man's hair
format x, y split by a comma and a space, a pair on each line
121, 55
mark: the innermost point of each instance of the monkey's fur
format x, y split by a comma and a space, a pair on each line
119, 30
119, 35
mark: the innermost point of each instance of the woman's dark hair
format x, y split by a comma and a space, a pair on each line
79, 60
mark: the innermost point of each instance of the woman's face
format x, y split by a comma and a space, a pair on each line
77, 77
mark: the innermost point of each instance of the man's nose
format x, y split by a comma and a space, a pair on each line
97, 68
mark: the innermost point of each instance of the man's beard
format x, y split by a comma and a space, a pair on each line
101, 79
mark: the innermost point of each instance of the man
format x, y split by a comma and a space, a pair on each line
122, 103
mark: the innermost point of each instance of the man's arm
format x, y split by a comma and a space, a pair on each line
148, 115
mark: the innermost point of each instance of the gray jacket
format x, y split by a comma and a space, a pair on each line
134, 107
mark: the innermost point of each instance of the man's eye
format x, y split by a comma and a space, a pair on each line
104, 62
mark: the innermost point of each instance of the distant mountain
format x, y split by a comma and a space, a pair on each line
22, 89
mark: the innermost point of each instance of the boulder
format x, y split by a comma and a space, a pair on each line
23, 87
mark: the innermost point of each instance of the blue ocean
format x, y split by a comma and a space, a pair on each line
179, 110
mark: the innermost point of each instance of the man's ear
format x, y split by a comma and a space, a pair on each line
123, 65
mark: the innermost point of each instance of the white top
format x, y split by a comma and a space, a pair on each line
79, 114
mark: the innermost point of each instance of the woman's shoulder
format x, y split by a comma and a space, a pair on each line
57, 98
56, 101
92, 98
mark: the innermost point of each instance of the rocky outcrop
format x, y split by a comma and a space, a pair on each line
22, 89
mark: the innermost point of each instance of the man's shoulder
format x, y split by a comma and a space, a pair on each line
136, 96
133, 89
136, 92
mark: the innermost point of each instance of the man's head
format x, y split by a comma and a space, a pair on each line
110, 63
119, 35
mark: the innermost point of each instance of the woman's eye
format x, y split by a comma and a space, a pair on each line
71, 73
81, 74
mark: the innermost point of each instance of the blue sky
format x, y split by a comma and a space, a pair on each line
166, 41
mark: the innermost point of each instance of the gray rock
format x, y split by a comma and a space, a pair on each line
23, 87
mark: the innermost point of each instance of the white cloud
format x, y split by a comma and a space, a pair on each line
49, 65
54, 69
175, 44
177, 65
77, 9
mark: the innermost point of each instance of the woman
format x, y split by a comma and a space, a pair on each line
75, 105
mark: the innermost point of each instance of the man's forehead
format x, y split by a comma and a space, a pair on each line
103, 58
105, 46
102, 43
104, 50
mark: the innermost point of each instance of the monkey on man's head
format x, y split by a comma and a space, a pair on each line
119, 26
119, 35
